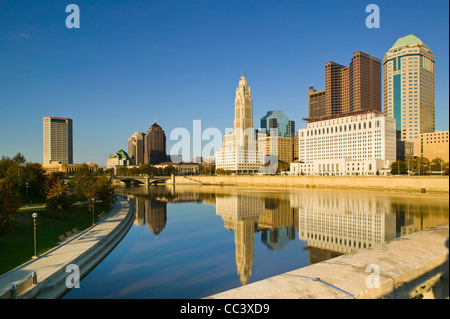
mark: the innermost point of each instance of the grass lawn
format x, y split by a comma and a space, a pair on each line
17, 239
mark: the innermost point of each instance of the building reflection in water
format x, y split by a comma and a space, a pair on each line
151, 208
333, 224
240, 214
329, 223
151, 212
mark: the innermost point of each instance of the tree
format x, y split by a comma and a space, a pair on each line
283, 166
445, 168
89, 185
398, 168
84, 182
170, 169
221, 171
422, 165
437, 164
59, 198
103, 189
9, 203
147, 169
52, 179
208, 170
34, 179
27, 178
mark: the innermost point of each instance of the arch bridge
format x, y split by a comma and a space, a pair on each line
140, 180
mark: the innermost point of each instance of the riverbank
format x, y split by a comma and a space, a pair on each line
422, 184
84, 250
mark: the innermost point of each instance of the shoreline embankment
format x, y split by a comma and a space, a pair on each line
422, 184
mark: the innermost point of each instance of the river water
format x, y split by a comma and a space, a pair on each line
192, 242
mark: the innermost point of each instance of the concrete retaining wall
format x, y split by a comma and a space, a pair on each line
409, 183
413, 266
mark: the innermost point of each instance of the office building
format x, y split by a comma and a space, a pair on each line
68, 168
316, 103
433, 145
120, 158
409, 92
136, 147
239, 149
58, 140
276, 119
155, 145
276, 145
348, 89
353, 88
295, 148
362, 143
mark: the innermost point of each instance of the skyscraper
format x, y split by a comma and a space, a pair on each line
409, 94
155, 145
348, 89
276, 119
57, 140
239, 149
136, 147
353, 88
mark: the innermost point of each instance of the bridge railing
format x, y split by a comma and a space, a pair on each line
18, 288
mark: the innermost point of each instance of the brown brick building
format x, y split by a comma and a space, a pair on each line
155, 145
348, 89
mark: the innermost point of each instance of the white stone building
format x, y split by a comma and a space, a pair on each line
239, 151
362, 143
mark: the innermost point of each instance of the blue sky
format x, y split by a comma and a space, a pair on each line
135, 62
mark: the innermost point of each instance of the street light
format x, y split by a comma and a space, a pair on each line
93, 201
27, 186
34, 215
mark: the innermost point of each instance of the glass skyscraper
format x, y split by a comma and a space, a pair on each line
276, 119
409, 93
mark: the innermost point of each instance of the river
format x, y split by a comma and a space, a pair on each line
194, 241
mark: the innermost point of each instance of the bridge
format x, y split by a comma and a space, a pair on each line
141, 179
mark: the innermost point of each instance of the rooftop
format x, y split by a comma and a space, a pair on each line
409, 40
335, 116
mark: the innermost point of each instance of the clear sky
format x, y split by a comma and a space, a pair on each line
135, 62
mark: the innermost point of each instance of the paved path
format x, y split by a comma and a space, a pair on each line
85, 250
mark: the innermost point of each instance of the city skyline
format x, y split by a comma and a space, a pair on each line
177, 62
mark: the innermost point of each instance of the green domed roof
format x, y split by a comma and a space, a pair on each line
408, 40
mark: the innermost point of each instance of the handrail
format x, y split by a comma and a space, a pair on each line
17, 288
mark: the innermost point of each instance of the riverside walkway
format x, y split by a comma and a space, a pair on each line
85, 250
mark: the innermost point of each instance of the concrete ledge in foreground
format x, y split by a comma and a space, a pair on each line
408, 267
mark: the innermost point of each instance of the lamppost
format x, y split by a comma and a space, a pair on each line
34, 215
27, 186
93, 203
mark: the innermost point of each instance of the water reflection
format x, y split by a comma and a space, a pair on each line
329, 223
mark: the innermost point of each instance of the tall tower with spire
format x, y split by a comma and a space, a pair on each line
239, 150
243, 106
